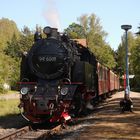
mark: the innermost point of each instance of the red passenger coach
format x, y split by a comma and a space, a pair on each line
117, 83
112, 81
108, 81
103, 79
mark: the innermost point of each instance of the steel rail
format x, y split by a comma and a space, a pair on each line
27, 133
15, 134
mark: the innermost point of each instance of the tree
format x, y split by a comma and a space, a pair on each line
26, 31
26, 42
15, 47
89, 27
135, 57
93, 30
75, 31
122, 53
134, 65
106, 56
8, 66
7, 29
8, 71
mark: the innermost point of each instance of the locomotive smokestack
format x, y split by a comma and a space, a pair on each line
54, 33
51, 32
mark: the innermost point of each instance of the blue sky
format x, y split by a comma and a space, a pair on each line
112, 14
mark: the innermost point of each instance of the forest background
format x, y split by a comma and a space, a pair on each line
13, 42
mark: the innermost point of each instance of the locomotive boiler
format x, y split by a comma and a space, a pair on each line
59, 79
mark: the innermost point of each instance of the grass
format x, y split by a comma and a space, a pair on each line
9, 92
8, 107
12, 92
135, 89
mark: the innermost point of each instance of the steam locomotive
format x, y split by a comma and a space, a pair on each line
61, 78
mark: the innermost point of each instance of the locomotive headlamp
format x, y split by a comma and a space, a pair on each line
64, 91
47, 30
24, 90
59, 87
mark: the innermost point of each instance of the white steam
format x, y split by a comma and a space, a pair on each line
51, 14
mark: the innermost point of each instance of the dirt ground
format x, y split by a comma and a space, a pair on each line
110, 124
107, 122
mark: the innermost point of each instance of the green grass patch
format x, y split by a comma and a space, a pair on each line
12, 92
8, 107
9, 92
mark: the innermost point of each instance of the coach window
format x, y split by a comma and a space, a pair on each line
101, 73
106, 74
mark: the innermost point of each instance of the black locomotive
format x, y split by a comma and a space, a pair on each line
59, 78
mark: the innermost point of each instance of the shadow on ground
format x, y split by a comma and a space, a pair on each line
12, 121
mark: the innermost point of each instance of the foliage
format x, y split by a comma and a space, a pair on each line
134, 65
105, 55
14, 46
12, 49
8, 66
9, 72
25, 42
121, 57
7, 29
26, 31
135, 57
75, 31
26, 39
93, 30
89, 27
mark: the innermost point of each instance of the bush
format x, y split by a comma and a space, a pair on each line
4, 88
135, 84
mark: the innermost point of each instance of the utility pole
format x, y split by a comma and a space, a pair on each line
127, 101
126, 28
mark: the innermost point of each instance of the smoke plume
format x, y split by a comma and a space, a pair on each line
51, 14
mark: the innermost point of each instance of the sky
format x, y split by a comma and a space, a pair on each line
61, 13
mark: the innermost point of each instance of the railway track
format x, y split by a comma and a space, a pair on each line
26, 133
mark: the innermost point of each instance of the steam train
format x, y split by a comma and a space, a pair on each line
61, 78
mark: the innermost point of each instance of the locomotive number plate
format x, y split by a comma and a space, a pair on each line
46, 59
